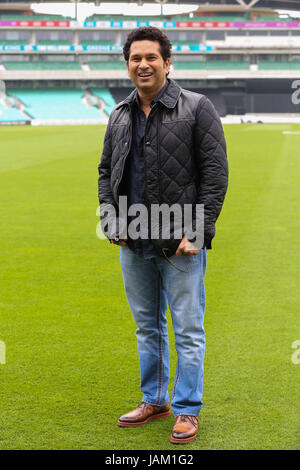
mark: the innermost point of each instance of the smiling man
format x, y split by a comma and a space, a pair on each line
164, 146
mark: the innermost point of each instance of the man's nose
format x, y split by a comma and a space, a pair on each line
143, 64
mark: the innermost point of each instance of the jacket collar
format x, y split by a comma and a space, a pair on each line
168, 99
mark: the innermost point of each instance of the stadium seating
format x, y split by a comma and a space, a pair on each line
270, 65
178, 65
11, 114
53, 104
107, 65
102, 42
107, 97
184, 42
273, 18
210, 65
209, 18
122, 18
170, 18
42, 65
13, 42
56, 42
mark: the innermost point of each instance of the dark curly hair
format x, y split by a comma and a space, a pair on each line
149, 33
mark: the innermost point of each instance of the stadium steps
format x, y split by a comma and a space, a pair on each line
106, 97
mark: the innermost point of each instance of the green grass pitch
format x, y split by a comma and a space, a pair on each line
71, 356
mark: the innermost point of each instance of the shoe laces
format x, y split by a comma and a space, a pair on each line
192, 419
143, 405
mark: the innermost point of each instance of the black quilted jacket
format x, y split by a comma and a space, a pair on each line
185, 157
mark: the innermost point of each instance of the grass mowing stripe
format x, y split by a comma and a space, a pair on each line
72, 365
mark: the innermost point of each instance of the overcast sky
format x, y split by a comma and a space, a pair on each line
132, 9
87, 9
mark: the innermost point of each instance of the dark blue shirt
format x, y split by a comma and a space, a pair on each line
135, 172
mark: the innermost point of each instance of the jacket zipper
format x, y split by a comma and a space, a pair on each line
145, 164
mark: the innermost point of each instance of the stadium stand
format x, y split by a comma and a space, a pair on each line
10, 114
54, 42
42, 65
219, 53
53, 104
167, 18
14, 42
93, 42
271, 65
105, 95
106, 65
211, 65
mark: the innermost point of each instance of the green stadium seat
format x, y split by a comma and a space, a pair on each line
55, 103
56, 42
102, 42
13, 42
210, 65
42, 65
270, 65
95, 65
107, 97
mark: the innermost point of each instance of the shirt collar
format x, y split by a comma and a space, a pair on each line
157, 97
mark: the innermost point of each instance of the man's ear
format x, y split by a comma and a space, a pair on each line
127, 65
167, 64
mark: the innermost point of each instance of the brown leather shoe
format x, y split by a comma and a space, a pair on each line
142, 414
185, 429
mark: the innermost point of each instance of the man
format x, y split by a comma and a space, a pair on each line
163, 145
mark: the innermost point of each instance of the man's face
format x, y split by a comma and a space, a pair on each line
146, 67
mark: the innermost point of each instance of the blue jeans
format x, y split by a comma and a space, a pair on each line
150, 285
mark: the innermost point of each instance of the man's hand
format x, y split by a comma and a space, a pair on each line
186, 248
120, 243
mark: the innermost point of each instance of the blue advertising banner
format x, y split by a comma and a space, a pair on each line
90, 48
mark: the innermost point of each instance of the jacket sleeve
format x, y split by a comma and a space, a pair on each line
105, 194
211, 161
108, 205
